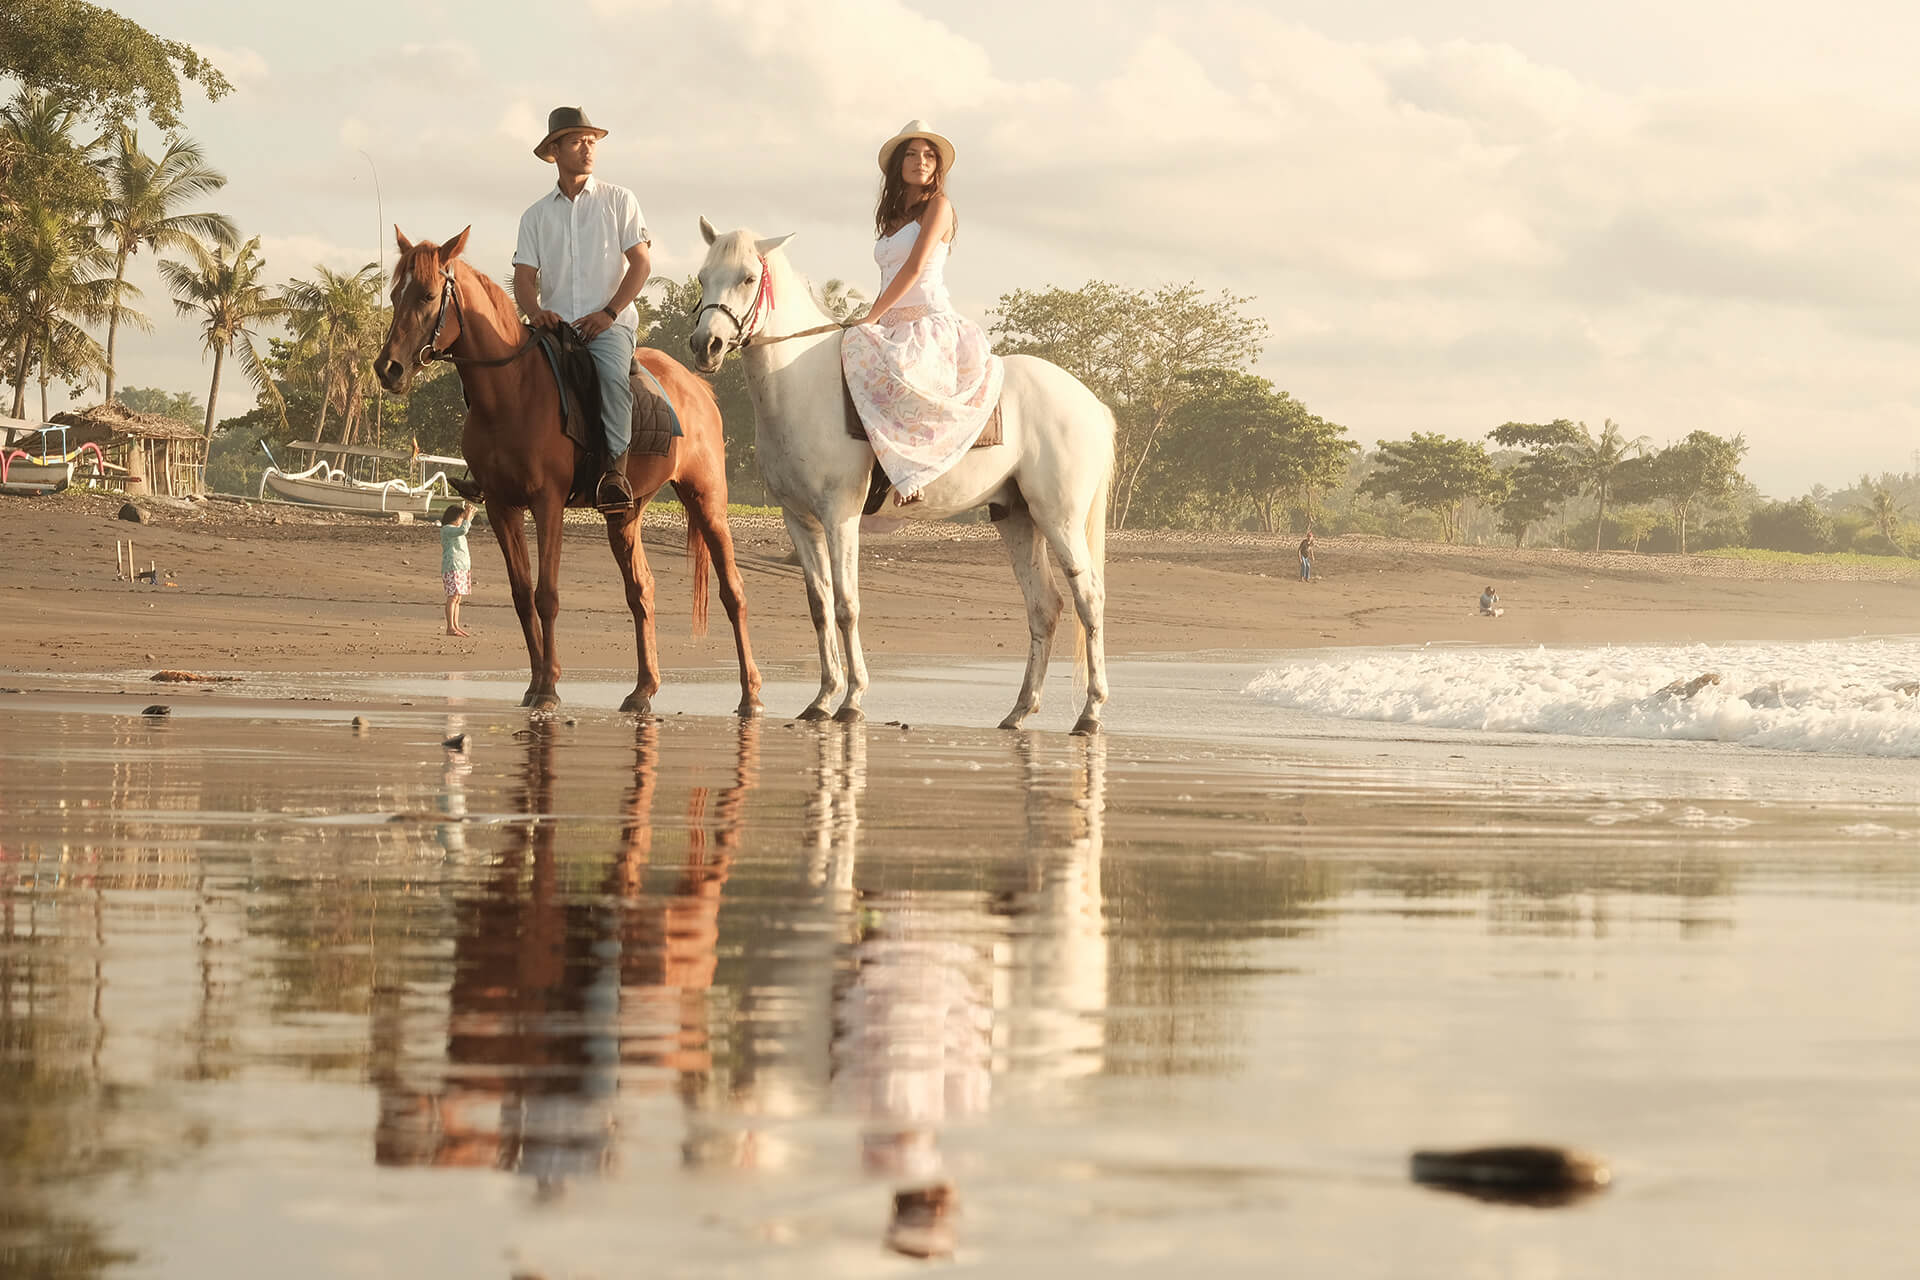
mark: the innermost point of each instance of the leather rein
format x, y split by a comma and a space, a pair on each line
746, 332
432, 351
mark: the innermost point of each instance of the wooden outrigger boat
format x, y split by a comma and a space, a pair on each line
326, 485
50, 470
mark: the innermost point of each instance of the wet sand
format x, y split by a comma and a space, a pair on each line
692, 996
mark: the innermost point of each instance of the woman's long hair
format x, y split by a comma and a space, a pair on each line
894, 211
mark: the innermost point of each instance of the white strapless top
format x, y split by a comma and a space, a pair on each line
891, 252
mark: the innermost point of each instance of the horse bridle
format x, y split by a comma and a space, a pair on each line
431, 351
743, 329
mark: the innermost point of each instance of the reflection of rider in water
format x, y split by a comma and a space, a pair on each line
555, 992
913, 1045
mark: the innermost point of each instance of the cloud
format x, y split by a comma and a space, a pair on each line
1444, 233
244, 67
294, 256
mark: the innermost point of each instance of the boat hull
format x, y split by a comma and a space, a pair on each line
348, 496
54, 475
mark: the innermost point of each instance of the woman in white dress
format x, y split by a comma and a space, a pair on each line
922, 375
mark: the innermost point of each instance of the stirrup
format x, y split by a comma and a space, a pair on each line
614, 483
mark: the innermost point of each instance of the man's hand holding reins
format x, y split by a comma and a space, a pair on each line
592, 325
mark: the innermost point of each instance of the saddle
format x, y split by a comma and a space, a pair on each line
878, 484
655, 424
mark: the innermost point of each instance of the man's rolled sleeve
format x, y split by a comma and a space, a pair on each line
633, 226
526, 250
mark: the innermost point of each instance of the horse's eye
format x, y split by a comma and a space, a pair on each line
751, 281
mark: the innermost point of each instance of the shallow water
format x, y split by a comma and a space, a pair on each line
688, 996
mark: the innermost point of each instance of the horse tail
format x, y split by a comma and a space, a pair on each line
701, 560
1096, 564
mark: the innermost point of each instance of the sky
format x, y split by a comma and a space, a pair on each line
1691, 215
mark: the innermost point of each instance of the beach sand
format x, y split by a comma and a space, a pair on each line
299, 984
277, 589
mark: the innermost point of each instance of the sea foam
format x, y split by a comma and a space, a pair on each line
1837, 697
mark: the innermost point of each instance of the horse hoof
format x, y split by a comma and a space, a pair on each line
1015, 719
634, 702
849, 715
1086, 726
546, 702
749, 708
812, 713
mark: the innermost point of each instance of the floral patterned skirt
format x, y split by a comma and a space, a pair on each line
925, 382
458, 582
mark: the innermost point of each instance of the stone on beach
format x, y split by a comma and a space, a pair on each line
1519, 1174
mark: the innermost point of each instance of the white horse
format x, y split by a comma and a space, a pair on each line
1046, 484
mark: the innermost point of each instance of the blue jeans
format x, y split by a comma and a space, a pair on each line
1306, 569
613, 356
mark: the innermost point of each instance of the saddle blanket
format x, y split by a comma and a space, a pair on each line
655, 424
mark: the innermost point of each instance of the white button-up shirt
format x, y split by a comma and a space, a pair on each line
579, 247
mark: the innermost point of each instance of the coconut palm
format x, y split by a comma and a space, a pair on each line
1885, 509
1598, 460
143, 195
49, 272
53, 279
224, 291
338, 326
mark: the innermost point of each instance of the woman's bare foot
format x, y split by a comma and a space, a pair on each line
458, 631
900, 501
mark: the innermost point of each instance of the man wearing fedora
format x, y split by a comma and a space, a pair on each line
582, 258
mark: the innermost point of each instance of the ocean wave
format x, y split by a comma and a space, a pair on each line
1847, 698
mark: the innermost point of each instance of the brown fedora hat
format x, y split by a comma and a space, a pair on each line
565, 120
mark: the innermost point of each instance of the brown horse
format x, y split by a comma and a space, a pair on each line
443, 309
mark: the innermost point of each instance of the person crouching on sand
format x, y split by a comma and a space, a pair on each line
1489, 603
456, 564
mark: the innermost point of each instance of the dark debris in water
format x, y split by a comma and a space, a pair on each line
1539, 1176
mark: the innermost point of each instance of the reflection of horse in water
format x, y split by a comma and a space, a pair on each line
925, 995
556, 996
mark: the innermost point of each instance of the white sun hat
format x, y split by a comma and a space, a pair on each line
918, 129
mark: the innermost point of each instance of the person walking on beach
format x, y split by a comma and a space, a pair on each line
582, 258
1306, 557
456, 563
922, 376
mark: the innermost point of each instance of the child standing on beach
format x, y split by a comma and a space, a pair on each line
456, 565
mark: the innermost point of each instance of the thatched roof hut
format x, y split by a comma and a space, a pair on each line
161, 454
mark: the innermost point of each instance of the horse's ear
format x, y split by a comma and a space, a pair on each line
765, 247
400, 238
706, 230
451, 249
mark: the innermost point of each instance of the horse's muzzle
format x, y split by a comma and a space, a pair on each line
707, 355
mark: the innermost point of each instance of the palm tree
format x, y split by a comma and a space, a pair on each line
53, 279
142, 196
1598, 460
1885, 509
226, 295
337, 325
49, 270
